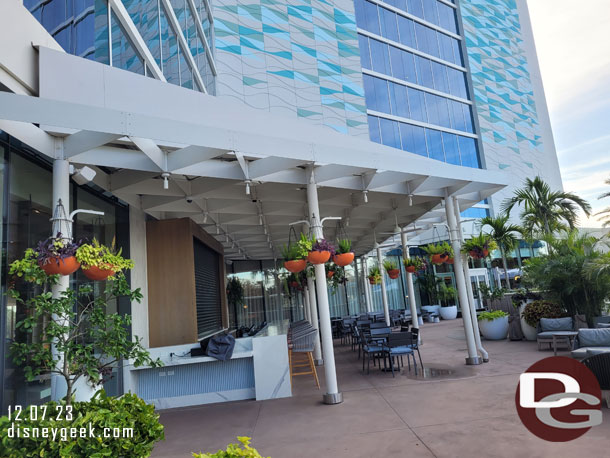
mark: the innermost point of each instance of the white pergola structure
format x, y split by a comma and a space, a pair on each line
242, 174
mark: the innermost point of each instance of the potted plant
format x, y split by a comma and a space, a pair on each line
321, 251
391, 268
374, 275
446, 295
345, 255
428, 283
439, 252
414, 264
541, 309
493, 325
337, 278
520, 301
479, 246
100, 262
57, 255
294, 258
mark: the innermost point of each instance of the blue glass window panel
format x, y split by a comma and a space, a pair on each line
439, 72
419, 140
446, 47
435, 145
170, 63
63, 38
81, 5
422, 38
102, 49
408, 63
452, 152
424, 71
186, 73
475, 213
430, 12
401, 4
84, 35
149, 28
369, 92
365, 54
374, 129
360, 13
390, 133
457, 83
380, 56
446, 16
468, 152
432, 106
398, 70
406, 30
389, 29
415, 7
53, 14
443, 111
457, 52
398, 99
417, 105
372, 19
456, 115
381, 95
467, 117
407, 136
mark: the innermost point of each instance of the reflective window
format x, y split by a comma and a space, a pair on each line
417, 105
435, 145
439, 73
374, 129
446, 16
415, 7
398, 100
468, 152
389, 29
450, 146
424, 71
123, 53
390, 133
371, 17
430, 11
457, 82
365, 55
380, 56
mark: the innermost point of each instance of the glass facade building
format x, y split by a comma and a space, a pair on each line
173, 36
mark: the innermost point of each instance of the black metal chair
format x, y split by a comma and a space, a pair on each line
415, 346
371, 349
600, 366
399, 344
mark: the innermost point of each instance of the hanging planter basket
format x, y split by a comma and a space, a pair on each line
343, 259
449, 260
373, 280
330, 274
436, 259
479, 254
65, 266
318, 257
394, 273
295, 266
95, 273
411, 269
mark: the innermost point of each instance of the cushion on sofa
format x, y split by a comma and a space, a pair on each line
603, 325
556, 324
594, 338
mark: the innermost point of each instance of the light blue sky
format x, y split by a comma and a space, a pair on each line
573, 45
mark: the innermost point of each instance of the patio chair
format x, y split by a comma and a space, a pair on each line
370, 349
589, 341
398, 345
302, 345
549, 326
378, 325
600, 366
415, 347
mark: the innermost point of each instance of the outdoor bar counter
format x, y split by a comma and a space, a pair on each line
258, 369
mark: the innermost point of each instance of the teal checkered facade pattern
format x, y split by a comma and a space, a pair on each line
503, 90
292, 57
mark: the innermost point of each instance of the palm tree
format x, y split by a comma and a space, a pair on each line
503, 233
545, 210
605, 213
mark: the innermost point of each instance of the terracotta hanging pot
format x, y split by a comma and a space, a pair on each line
449, 260
372, 280
485, 252
436, 259
393, 273
330, 274
343, 259
96, 274
295, 266
318, 257
410, 269
65, 266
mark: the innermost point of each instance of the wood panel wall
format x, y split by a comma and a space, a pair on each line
172, 313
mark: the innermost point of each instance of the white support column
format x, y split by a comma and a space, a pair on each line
410, 287
473, 310
367, 287
384, 293
332, 396
454, 235
313, 310
306, 308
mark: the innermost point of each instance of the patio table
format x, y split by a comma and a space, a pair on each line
563, 336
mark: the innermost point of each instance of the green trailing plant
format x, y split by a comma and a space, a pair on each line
570, 275
95, 254
446, 294
416, 262
88, 339
344, 246
338, 278
541, 309
544, 210
442, 248
298, 250
389, 265
490, 316
305, 245
478, 245
136, 421
241, 449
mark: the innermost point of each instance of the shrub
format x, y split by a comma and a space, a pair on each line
490, 316
389, 265
55, 247
478, 245
233, 451
95, 254
128, 411
541, 309
344, 246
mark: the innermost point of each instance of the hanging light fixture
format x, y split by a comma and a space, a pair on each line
248, 183
205, 217
365, 196
165, 176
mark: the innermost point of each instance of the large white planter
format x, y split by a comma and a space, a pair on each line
529, 332
496, 329
449, 313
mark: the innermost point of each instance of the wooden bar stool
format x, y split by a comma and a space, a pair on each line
300, 355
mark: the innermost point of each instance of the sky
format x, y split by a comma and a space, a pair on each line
573, 45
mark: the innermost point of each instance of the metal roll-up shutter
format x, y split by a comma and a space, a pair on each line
207, 289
